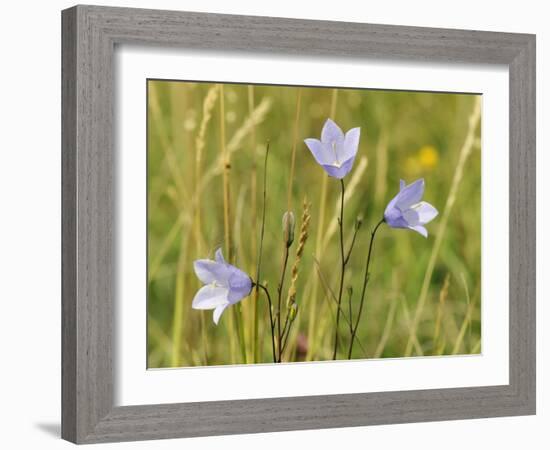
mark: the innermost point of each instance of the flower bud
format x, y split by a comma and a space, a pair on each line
292, 312
289, 222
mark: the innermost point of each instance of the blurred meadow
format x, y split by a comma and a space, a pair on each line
205, 173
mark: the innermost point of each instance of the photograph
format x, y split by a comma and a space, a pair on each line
296, 224
249, 225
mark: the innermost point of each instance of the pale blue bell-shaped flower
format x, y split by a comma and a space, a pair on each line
336, 151
406, 210
224, 285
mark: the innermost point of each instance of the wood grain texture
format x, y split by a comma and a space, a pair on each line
68, 226
89, 204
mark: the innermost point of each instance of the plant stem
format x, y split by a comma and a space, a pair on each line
272, 323
318, 249
364, 289
261, 246
286, 330
330, 294
318, 245
352, 244
342, 271
279, 298
285, 341
287, 319
289, 209
253, 201
350, 312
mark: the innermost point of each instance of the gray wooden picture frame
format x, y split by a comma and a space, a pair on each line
90, 34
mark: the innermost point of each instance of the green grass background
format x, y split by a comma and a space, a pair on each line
404, 135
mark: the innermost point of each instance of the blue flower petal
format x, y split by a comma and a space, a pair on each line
225, 284
406, 210
339, 172
335, 152
426, 212
410, 195
219, 256
411, 217
240, 286
210, 271
218, 312
210, 297
420, 229
351, 144
391, 209
319, 151
331, 133
394, 218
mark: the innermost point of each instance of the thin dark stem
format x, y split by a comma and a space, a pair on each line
342, 271
324, 282
271, 322
287, 335
286, 330
364, 289
350, 313
330, 293
262, 231
279, 298
287, 318
352, 244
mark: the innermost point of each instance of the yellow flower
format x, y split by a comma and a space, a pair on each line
428, 157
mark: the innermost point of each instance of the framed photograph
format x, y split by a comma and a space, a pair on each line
278, 224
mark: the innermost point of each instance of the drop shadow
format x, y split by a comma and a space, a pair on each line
53, 429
